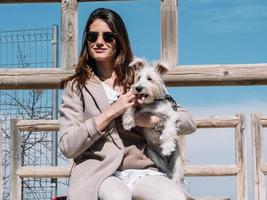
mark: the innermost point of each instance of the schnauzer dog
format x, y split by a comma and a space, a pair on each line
163, 139
162, 142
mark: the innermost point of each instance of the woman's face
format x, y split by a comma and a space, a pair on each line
101, 41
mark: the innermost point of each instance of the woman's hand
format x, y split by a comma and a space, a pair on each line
146, 120
124, 102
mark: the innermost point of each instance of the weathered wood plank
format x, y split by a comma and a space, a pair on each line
211, 170
15, 161
38, 78
190, 170
241, 158
182, 75
69, 34
217, 75
44, 172
169, 31
53, 125
217, 122
38, 125
258, 157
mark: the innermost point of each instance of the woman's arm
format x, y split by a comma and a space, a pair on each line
186, 122
124, 102
77, 135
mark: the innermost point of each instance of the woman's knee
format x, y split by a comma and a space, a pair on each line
114, 189
157, 188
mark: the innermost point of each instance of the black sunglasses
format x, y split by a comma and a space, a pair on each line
92, 36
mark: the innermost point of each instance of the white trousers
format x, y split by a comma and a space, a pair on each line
145, 188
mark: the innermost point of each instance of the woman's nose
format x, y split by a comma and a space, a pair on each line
100, 40
99, 44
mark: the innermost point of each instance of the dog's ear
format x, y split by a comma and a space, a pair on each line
161, 67
137, 63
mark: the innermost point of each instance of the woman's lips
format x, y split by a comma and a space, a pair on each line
99, 50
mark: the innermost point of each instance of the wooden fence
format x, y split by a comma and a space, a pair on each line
238, 169
182, 75
16, 170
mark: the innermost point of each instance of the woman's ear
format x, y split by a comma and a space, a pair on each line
137, 63
161, 67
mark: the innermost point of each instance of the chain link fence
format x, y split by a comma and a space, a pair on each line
31, 48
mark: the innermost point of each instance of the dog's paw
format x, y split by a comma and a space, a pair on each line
167, 147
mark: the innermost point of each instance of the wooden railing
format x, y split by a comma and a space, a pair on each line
16, 170
182, 75
237, 169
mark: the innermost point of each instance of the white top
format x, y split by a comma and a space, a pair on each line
129, 176
111, 94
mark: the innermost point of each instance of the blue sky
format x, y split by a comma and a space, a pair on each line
210, 32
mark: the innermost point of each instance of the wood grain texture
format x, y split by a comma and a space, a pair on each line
69, 33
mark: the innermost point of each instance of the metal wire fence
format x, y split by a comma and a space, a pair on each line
26, 48
29, 48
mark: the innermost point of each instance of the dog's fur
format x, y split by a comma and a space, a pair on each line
162, 140
162, 144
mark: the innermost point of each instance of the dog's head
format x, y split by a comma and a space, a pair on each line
148, 83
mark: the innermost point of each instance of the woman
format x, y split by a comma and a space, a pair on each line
109, 162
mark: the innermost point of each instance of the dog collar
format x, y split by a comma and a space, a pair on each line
171, 100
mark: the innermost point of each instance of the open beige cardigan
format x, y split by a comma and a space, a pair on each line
95, 158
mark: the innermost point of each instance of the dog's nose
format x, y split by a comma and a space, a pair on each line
139, 88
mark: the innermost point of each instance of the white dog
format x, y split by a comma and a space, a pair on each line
162, 140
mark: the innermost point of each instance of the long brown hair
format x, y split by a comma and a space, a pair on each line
86, 67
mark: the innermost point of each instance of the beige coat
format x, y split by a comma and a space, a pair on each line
95, 159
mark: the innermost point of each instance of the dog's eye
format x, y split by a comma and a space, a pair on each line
138, 78
149, 78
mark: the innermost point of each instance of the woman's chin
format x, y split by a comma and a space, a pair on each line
102, 57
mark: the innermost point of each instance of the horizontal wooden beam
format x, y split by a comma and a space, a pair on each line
217, 122
50, 1
190, 170
217, 75
43, 172
53, 125
211, 170
182, 75
35, 78
38, 125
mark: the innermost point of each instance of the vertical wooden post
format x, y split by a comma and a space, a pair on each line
69, 33
169, 44
258, 156
241, 158
169, 31
15, 161
1, 161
